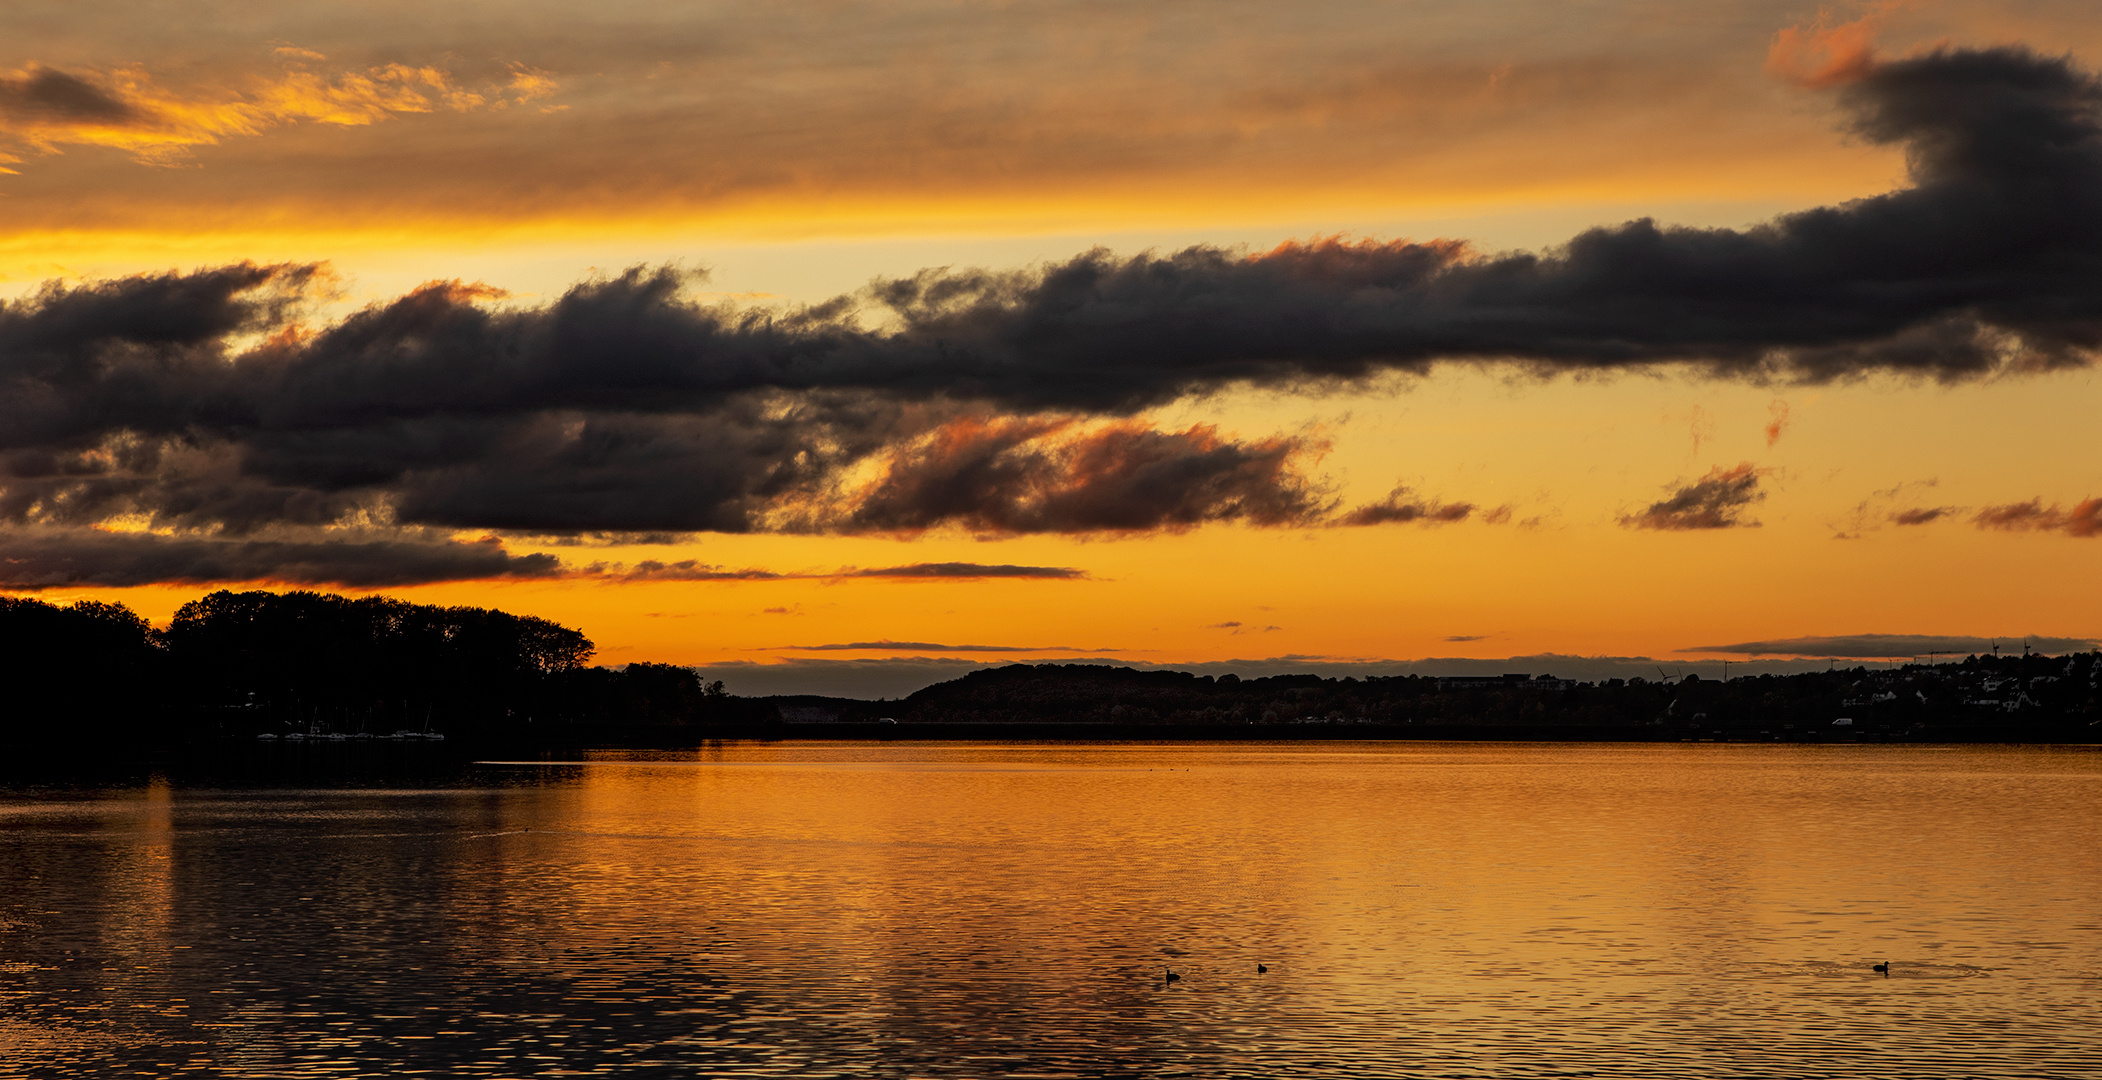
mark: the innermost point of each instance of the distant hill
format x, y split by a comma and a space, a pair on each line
1986, 698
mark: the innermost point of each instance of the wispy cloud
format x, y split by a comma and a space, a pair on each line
681, 570
1892, 646
1894, 505
962, 571
695, 570
1400, 506
1826, 54
935, 647
1716, 501
2084, 519
125, 108
1921, 515
1777, 424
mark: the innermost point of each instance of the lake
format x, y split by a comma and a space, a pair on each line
1001, 910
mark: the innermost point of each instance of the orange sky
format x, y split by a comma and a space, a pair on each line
797, 153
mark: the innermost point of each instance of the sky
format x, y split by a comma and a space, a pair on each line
841, 347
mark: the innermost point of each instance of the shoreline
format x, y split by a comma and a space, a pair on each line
49, 762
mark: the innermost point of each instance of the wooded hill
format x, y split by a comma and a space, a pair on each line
1984, 698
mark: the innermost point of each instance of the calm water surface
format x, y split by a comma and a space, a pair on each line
895, 910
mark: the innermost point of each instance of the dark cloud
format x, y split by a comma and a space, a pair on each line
42, 95
1990, 259
695, 570
65, 558
1715, 501
601, 412
1398, 506
1921, 516
1892, 646
1894, 505
682, 570
929, 646
43, 559
1465, 637
2083, 520
988, 401
1238, 628
1032, 476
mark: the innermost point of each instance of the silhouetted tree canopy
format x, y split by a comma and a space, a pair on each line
238, 664
88, 666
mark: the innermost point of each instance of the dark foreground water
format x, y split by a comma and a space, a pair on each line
939, 910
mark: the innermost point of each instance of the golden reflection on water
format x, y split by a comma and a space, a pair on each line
899, 909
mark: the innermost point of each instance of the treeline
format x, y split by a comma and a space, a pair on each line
236, 665
1985, 697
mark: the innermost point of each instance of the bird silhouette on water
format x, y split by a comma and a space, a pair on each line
1884, 969
1260, 969
1170, 976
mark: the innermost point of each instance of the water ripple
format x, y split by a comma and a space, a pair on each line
956, 911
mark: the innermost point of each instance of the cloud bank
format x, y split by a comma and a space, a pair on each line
45, 559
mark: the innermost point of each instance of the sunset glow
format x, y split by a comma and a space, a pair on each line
946, 334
